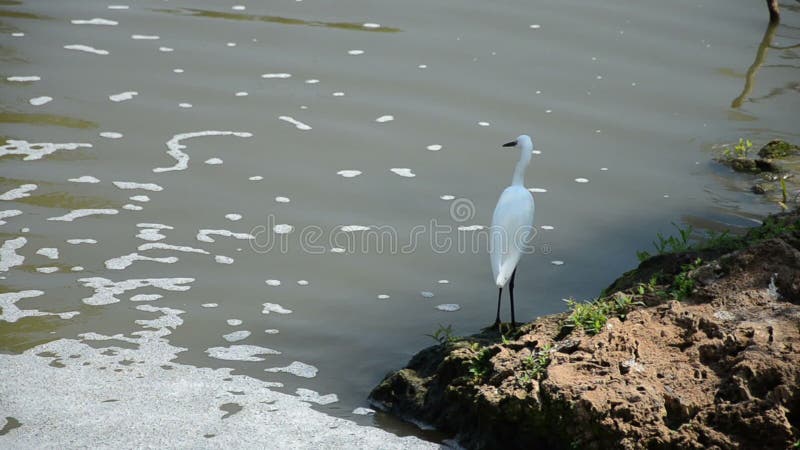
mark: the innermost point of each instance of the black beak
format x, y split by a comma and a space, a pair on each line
510, 144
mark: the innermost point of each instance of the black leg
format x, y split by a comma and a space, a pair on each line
497, 320
511, 293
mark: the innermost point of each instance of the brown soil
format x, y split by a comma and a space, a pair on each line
718, 369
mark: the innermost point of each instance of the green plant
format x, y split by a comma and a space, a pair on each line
592, 316
742, 148
480, 364
651, 287
536, 364
683, 285
443, 335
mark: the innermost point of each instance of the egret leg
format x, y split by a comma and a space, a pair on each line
511, 294
497, 320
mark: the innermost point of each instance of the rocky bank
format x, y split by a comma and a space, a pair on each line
697, 349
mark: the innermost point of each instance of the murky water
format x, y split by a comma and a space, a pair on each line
286, 121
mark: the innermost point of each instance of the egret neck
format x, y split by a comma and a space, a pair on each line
524, 160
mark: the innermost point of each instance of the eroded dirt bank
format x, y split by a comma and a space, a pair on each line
699, 349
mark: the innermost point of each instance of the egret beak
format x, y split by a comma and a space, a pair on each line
510, 144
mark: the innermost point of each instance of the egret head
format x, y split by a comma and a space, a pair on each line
523, 142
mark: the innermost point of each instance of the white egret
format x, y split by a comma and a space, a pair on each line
512, 225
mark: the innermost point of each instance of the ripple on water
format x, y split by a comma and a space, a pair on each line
175, 146
19, 192
87, 49
79, 213
348, 173
38, 150
297, 124
296, 368
122, 96
39, 101
240, 352
275, 308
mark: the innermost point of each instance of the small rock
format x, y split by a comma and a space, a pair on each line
778, 148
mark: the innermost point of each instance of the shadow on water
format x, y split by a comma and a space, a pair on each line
761, 55
277, 19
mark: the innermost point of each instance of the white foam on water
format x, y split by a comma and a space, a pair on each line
484, 124
223, 259
105, 290
20, 192
234, 322
447, 197
296, 368
273, 282
166, 49
132, 207
557, 263
175, 146
448, 307
177, 248
355, 52
122, 96
307, 395
233, 217
537, 190
140, 198
118, 7
158, 226
384, 118
276, 75
604, 169
338, 94
302, 282
47, 269
403, 172
24, 78
371, 25
231, 44
535, 26
122, 262
210, 305
49, 252
77, 268
8, 253
256, 178
18, 34
146, 297
79, 213
282, 228
282, 199
443, 281
170, 319
581, 180
8, 213
351, 228
236, 336
349, 173
241, 94
238, 7
312, 81
146, 37
426, 294
275, 308
299, 125
134, 185
39, 101
337, 250
205, 235
434, 147
361, 411
150, 234
110, 134
240, 352
470, 227
383, 297
81, 241
34, 151
185, 105
271, 331
86, 49
213, 161
177, 70
422, 66
12, 313
94, 21
84, 179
